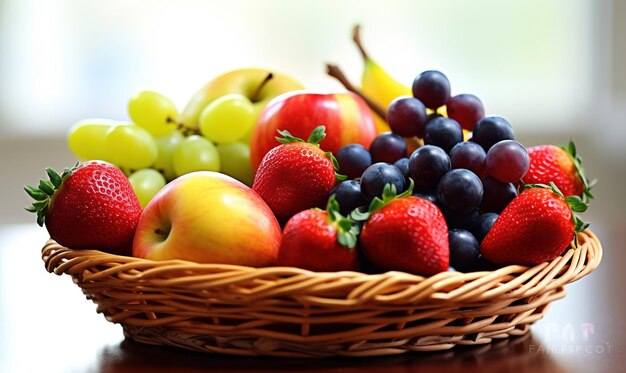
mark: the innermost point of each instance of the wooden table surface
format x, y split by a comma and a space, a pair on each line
47, 325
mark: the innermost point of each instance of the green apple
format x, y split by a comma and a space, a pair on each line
208, 217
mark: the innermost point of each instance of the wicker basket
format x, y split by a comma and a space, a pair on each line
284, 311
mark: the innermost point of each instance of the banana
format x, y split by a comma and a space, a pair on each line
377, 83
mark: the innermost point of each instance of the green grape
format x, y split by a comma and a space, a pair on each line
235, 161
86, 138
131, 147
166, 146
146, 183
245, 139
227, 118
195, 153
154, 112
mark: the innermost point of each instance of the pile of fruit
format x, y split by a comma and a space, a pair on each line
257, 171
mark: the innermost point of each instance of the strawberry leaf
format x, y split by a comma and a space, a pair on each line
338, 176
576, 203
578, 164
347, 230
54, 176
358, 215
35, 193
286, 137
46, 187
42, 194
389, 194
40, 217
346, 238
39, 205
318, 134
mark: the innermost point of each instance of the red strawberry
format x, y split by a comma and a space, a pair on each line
91, 206
562, 166
407, 234
535, 227
319, 240
296, 175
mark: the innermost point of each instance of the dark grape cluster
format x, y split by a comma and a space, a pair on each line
470, 181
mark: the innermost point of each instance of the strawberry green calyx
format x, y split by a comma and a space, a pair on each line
347, 229
389, 194
42, 194
317, 135
576, 204
587, 184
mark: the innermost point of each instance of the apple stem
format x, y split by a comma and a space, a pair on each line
254, 97
356, 37
335, 72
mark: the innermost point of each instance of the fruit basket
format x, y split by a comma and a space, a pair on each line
290, 312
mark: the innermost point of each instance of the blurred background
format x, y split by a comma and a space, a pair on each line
554, 68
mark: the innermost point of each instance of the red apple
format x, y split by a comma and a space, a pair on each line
346, 116
208, 217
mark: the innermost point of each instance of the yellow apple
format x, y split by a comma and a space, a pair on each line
208, 217
252, 83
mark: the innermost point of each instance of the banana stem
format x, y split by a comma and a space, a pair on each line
335, 72
356, 37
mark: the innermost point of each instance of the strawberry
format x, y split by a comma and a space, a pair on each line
405, 233
319, 240
562, 166
91, 206
296, 175
537, 226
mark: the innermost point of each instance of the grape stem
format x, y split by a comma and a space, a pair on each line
180, 126
254, 97
335, 72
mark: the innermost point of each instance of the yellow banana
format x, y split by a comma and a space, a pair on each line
378, 84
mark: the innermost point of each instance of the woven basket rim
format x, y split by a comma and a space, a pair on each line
587, 239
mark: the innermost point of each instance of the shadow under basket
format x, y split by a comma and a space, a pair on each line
291, 312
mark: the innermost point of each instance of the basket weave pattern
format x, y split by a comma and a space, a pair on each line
285, 311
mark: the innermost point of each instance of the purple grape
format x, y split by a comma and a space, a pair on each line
388, 147
483, 264
483, 225
464, 250
432, 88
348, 194
427, 165
377, 176
353, 159
497, 195
507, 161
432, 197
462, 221
443, 132
403, 165
466, 109
490, 130
460, 191
406, 116
468, 155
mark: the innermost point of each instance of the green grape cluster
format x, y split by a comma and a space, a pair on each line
153, 148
